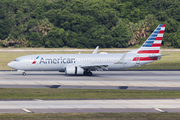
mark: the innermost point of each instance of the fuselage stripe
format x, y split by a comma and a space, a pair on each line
144, 58
148, 51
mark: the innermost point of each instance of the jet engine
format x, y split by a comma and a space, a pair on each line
73, 70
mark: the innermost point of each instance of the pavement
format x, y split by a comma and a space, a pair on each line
151, 80
90, 106
134, 80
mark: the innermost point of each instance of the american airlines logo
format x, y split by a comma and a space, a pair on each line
34, 62
57, 60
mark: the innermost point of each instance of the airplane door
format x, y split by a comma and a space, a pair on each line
137, 60
28, 62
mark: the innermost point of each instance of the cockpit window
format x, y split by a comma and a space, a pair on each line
17, 60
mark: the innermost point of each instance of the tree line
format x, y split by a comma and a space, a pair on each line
86, 23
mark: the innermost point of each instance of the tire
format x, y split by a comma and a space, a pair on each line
85, 73
89, 73
24, 73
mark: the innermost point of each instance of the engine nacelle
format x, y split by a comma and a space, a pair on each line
73, 70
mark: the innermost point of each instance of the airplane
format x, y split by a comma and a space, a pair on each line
83, 64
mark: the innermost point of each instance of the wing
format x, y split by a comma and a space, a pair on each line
98, 67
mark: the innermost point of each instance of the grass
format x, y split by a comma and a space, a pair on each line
47, 93
24, 93
91, 116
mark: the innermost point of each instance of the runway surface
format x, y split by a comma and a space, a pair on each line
90, 106
150, 80
138, 80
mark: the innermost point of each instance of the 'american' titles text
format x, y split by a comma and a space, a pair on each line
57, 60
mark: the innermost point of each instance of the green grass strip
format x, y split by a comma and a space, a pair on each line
47, 93
91, 116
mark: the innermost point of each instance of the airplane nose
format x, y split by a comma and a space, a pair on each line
10, 64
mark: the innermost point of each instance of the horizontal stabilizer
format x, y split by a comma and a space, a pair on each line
159, 55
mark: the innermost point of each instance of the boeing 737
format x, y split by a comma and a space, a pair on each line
83, 64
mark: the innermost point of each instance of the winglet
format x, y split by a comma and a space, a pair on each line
96, 50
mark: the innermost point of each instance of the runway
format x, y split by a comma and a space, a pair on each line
90, 106
137, 80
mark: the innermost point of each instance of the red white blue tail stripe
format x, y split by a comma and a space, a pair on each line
153, 43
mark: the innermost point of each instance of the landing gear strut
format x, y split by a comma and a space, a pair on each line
24, 73
88, 73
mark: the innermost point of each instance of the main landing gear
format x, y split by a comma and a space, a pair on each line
23, 73
88, 73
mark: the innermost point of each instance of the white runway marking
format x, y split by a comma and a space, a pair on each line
26, 110
159, 110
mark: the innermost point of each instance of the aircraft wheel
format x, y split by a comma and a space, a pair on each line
24, 73
89, 73
85, 73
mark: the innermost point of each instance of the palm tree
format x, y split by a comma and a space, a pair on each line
45, 26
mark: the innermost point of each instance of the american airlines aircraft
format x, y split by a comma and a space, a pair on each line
83, 64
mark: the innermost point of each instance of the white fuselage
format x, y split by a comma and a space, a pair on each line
59, 62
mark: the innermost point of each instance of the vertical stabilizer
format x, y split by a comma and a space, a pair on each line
153, 43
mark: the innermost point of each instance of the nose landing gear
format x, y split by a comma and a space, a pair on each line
22, 71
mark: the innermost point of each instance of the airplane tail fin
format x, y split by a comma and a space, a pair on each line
153, 43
